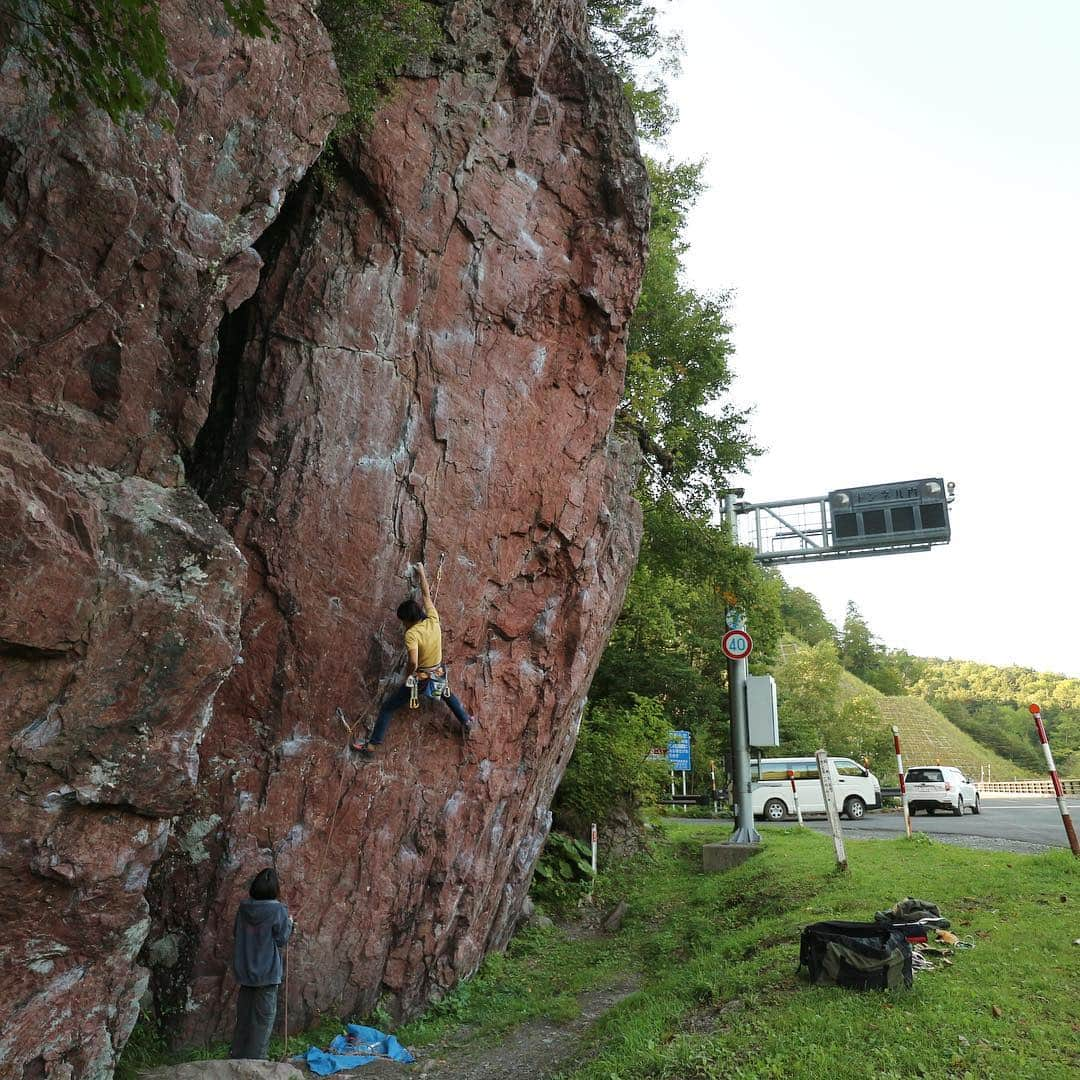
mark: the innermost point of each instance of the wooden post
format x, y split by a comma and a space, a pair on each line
828, 793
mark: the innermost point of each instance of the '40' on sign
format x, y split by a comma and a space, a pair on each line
736, 644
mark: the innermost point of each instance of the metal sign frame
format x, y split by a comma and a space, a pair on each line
805, 530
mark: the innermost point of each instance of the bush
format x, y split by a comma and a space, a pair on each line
608, 771
372, 39
563, 874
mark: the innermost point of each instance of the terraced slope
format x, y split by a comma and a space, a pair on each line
926, 738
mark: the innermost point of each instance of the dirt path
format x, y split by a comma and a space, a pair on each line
530, 1051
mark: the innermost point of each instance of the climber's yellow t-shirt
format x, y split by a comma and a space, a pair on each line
426, 635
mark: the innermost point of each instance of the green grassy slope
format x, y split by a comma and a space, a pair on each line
927, 738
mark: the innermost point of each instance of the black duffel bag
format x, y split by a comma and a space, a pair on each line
860, 956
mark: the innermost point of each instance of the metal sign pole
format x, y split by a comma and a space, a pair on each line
744, 833
829, 794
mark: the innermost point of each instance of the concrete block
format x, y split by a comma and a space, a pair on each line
716, 857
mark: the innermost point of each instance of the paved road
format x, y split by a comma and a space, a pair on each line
1004, 822
1008, 824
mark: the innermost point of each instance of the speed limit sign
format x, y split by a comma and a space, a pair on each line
736, 644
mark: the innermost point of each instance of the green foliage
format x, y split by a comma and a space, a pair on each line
866, 658
563, 874
108, 53
609, 770
627, 37
146, 1048
679, 345
372, 39
802, 614
113, 55
663, 669
1006, 730
990, 704
814, 714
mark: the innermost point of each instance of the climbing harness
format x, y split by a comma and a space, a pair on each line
432, 682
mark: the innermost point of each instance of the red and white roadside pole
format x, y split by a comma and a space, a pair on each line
903, 786
593, 838
794, 794
1059, 791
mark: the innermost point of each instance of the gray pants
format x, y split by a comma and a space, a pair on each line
256, 1009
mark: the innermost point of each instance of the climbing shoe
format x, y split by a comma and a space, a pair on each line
363, 748
468, 727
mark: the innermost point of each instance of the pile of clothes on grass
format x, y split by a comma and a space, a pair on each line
879, 955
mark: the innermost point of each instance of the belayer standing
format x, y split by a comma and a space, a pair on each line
262, 928
426, 674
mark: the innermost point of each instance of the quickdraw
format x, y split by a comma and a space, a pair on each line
431, 682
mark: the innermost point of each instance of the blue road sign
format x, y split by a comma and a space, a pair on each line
678, 751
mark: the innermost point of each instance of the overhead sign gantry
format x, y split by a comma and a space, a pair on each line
851, 522
884, 519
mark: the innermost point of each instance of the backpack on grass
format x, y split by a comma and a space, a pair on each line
860, 956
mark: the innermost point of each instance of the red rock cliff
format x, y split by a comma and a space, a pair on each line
236, 401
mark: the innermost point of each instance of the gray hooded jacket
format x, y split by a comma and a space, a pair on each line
261, 927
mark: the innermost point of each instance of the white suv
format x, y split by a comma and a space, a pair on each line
940, 787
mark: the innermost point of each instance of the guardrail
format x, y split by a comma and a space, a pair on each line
1030, 787
1009, 787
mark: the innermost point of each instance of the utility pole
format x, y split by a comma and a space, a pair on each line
744, 833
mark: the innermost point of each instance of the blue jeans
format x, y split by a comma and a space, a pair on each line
256, 1008
397, 699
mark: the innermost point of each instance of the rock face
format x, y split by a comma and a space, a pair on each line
230, 417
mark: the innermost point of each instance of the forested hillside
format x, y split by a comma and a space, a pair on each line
838, 687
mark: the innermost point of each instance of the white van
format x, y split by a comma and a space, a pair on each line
857, 789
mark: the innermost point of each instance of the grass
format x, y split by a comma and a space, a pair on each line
716, 957
146, 1049
715, 954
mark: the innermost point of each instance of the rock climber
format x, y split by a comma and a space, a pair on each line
262, 927
427, 673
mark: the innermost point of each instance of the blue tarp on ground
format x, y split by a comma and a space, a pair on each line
361, 1045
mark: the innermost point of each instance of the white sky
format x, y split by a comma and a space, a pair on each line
893, 196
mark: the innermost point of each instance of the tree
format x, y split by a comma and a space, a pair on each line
814, 713
626, 35
665, 647
678, 350
803, 615
859, 650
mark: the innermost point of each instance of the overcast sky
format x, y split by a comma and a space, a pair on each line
893, 199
